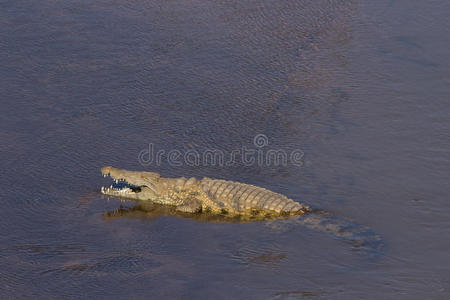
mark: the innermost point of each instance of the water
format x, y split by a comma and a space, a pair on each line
361, 88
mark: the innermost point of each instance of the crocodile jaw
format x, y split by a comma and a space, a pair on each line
131, 177
129, 184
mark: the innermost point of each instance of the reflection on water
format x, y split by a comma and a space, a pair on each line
360, 87
358, 236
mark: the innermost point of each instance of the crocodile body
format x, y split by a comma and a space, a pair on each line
205, 195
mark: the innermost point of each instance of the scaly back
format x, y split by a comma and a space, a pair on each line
239, 197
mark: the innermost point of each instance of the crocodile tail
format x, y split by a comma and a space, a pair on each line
358, 236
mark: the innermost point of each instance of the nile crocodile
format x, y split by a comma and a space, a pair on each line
227, 201
206, 195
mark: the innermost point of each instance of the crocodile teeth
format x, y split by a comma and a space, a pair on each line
111, 189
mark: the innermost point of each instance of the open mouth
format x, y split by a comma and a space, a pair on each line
120, 187
130, 184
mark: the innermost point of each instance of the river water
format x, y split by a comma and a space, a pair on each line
359, 90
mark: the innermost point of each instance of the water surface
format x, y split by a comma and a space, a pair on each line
360, 87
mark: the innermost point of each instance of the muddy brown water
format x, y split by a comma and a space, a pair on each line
359, 89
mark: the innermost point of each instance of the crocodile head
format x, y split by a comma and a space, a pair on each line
132, 185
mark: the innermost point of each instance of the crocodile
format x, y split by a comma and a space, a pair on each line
226, 201
216, 196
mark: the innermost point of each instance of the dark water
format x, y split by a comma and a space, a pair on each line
360, 87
